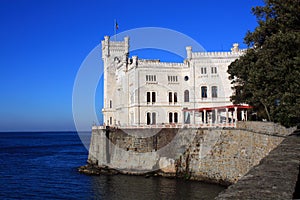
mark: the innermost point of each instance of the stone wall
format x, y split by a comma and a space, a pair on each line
227, 156
214, 155
274, 178
265, 128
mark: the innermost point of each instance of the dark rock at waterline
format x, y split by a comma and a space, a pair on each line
96, 170
91, 169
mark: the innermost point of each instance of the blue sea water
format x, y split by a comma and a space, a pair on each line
43, 165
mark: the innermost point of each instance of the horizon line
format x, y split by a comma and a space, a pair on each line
28, 131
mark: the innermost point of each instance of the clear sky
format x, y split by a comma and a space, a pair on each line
44, 42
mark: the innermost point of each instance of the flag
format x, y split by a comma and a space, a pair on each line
117, 25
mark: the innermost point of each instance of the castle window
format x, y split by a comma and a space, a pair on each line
175, 117
186, 96
148, 118
203, 70
214, 91
175, 97
172, 79
151, 118
170, 97
170, 117
148, 97
110, 104
116, 59
150, 78
213, 70
151, 97
204, 92
187, 119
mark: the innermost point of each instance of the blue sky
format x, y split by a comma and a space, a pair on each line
44, 42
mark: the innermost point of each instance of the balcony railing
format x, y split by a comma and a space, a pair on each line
209, 125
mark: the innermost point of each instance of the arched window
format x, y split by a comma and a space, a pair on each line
170, 97
214, 91
148, 97
187, 119
175, 117
213, 70
204, 92
186, 96
151, 118
170, 117
148, 118
153, 97
175, 97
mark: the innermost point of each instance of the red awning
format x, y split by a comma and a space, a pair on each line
219, 108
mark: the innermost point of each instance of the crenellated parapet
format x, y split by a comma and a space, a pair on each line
158, 64
217, 54
234, 53
110, 47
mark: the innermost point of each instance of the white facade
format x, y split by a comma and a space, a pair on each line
141, 92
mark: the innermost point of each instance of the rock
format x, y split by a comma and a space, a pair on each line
91, 169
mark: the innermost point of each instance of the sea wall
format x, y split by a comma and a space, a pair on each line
268, 128
276, 177
214, 155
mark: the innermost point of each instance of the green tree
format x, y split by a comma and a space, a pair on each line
267, 76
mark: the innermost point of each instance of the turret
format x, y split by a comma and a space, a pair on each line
126, 41
189, 52
112, 49
235, 48
115, 56
105, 47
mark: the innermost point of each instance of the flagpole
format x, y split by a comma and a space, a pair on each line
115, 27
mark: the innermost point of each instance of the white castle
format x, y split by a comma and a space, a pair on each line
147, 93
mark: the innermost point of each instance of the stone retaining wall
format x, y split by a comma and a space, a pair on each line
274, 178
214, 155
265, 128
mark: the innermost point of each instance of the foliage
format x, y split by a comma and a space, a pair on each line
267, 76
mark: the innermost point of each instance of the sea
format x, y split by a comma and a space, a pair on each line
43, 165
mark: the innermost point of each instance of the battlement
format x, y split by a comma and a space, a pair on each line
110, 46
235, 52
122, 47
117, 46
157, 63
217, 54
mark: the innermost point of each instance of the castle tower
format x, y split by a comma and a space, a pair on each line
115, 56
